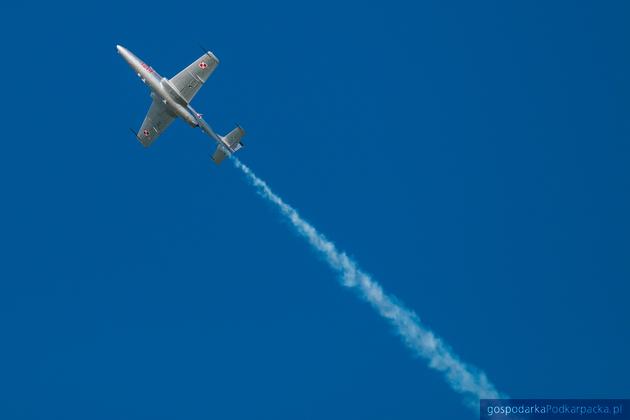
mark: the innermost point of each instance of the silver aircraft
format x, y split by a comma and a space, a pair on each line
171, 99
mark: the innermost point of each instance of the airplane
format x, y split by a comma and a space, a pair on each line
171, 99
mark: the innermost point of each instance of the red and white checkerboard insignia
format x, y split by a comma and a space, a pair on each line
146, 133
203, 65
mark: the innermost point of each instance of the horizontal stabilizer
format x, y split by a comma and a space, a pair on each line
219, 155
233, 139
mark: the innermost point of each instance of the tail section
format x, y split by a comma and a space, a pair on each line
219, 154
230, 143
233, 139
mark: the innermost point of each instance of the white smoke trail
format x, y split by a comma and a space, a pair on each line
462, 378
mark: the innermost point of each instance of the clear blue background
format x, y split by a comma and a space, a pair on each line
472, 156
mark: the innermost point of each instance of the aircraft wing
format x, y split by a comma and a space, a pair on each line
157, 120
189, 80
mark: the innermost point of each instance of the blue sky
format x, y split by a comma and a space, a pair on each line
472, 157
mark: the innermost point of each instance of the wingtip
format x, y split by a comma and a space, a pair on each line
140, 139
208, 53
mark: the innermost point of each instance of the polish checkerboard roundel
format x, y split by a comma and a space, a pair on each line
203, 65
146, 133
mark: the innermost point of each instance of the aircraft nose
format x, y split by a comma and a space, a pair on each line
119, 49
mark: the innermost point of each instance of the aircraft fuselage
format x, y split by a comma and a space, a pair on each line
160, 87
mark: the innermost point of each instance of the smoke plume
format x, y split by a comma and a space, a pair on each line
461, 377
